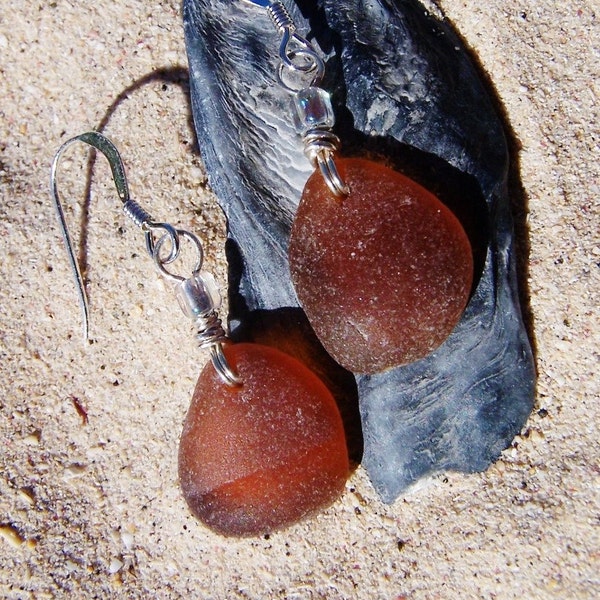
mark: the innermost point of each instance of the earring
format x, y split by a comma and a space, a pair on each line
263, 443
382, 268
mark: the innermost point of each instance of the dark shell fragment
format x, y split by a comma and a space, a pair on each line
405, 91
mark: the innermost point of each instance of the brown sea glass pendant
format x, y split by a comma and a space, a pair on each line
384, 272
257, 457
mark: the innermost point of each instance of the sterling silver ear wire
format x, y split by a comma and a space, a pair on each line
313, 111
197, 294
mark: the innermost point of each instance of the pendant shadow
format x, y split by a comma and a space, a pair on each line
288, 330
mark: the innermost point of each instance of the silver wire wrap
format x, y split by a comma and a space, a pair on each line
196, 303
136, 213
209, 330
298, 55
281, 17
320, 146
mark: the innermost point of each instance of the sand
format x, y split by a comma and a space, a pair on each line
90, 508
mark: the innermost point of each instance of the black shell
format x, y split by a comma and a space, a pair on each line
406, 92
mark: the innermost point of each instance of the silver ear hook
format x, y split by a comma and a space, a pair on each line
198, 294
74, 263
131, 208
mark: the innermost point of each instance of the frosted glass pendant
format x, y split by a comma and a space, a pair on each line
383, 273
262, 455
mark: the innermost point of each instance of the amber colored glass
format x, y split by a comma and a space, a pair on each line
383, 274
263, 455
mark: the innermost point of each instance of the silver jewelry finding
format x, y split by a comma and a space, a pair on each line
313, 111
198, 294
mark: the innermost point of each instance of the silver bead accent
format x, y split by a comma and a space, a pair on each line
198, 295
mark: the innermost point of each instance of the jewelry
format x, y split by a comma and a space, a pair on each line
382, 269
263, 443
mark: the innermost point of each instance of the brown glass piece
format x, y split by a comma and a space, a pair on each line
383, 274
260, 456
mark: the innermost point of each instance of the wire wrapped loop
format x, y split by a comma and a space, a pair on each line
199, 299
211, 335
320, 146
331, 175
219, 361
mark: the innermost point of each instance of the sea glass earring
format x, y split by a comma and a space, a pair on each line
263, 443
382, 268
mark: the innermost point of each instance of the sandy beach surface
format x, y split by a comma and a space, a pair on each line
89, 500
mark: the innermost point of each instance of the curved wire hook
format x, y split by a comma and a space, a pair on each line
131, 208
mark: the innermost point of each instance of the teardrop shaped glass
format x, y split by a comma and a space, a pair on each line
263, 455
383, 274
